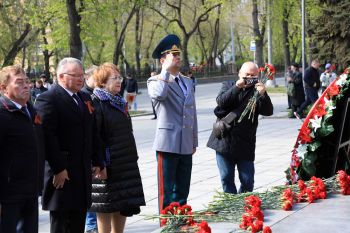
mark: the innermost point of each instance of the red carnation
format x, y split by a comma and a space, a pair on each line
267, 229
305, 135
333, 89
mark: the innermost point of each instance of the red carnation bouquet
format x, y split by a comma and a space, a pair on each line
267, 73
177, 218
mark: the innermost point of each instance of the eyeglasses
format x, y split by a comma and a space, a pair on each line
75, 75
116, 78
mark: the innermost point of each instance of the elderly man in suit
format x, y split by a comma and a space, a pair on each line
71, 152
21, 154
176, 135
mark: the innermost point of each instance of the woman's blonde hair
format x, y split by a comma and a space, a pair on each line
103, 72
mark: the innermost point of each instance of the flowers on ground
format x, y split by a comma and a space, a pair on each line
177, 218
247, 208
253, 217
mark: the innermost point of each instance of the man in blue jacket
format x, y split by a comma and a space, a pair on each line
21, 154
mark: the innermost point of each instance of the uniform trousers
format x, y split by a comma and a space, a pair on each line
174, 178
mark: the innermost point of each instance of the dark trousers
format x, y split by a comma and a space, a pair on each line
22, 212
67, 221
227, 174
174, 178
311, 97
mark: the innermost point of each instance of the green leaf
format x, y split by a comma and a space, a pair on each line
325, 130
308, 164
313, 146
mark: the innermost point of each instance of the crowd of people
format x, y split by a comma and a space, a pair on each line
72, 142
303, 91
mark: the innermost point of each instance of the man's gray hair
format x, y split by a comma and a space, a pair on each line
65, 61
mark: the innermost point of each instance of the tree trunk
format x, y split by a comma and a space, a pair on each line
138, 39
185, 60
285, 34
46, 54
16, 47
258, 35
75, 44
24, 51
119, 40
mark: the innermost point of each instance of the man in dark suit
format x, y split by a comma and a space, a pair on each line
71, 152
21, 154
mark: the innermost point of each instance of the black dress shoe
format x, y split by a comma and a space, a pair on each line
154, 118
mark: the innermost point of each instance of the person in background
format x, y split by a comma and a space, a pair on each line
194, 80
153, 73
288, 75
89, 85
238, 147
312, 85
72, 151
327, 77
37, 90
21, 154
298, 96
118, 193
176, 137
45, 81
132, 89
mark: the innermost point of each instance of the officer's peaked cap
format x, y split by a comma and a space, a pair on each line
170, 43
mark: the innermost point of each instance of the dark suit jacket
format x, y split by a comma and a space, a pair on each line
70, 145
21, 153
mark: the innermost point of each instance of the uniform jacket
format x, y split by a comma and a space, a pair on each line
239, 144
177, 117
21, 152
122, 191
69, 145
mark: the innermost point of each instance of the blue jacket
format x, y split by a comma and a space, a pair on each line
177, 117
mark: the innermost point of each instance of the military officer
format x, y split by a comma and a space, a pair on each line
176, 137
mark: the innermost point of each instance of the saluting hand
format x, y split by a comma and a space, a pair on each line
59, 179
168, 62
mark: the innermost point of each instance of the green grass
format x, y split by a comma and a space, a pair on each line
276, 89
133, 113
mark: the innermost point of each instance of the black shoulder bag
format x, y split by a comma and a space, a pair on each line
222, 126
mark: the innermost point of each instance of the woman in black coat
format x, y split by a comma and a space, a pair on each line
299, 96
118, 193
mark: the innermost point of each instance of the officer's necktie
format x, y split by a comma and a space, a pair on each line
24, 109
79, 102
182, 85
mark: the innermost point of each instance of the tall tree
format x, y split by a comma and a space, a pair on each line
258, 33
200, 13
138, 39
333, 37
75, 43
120, 34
